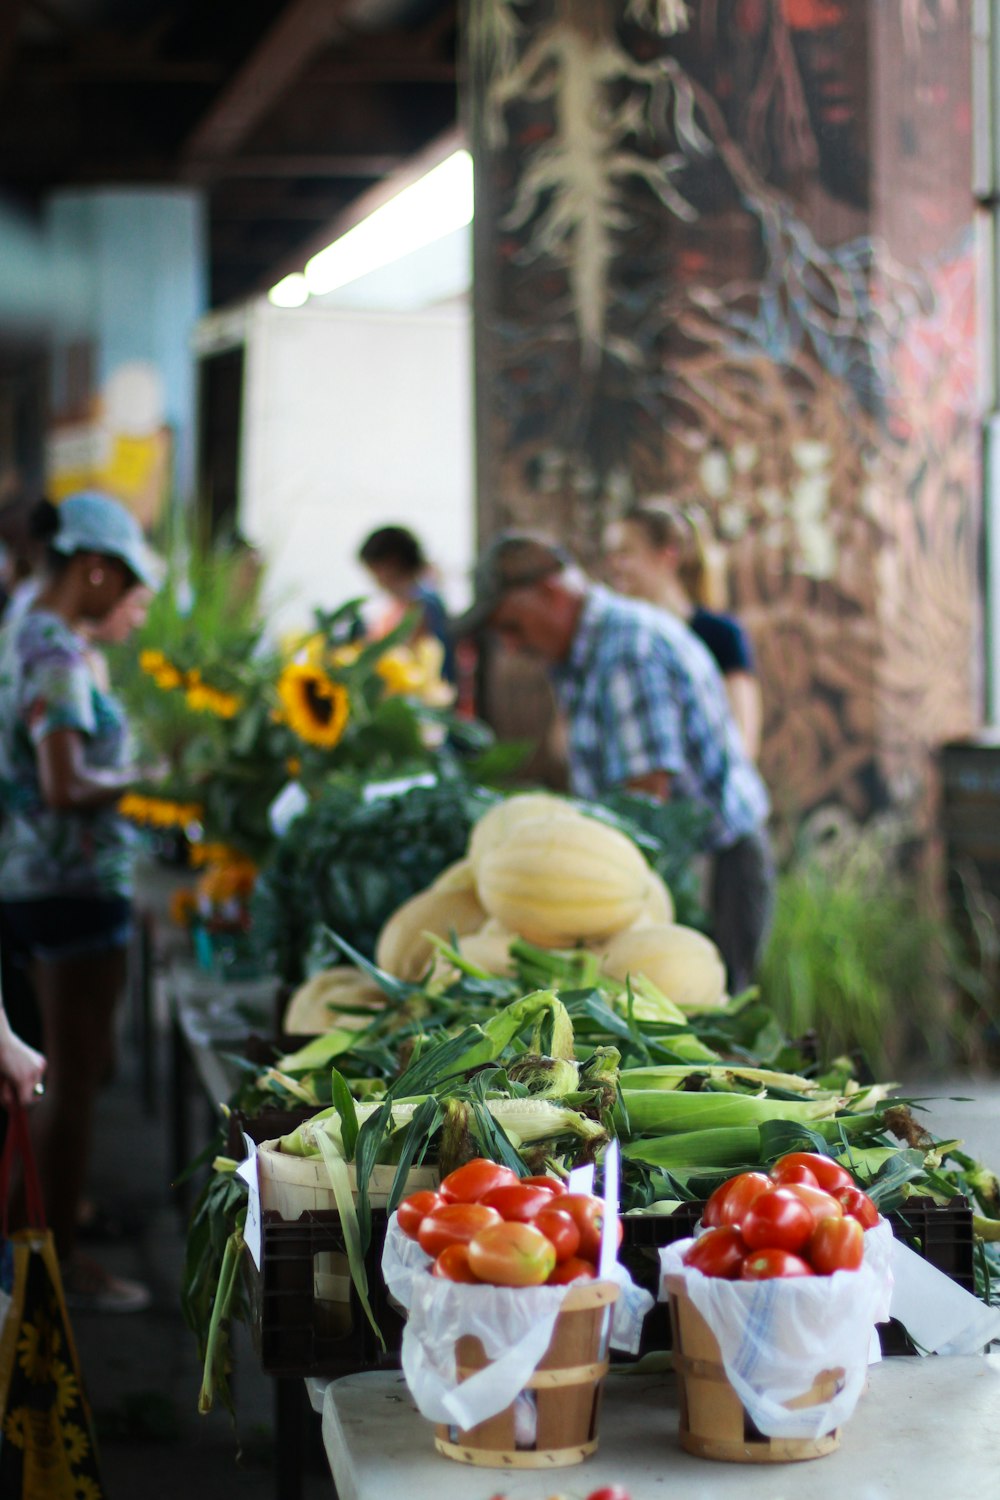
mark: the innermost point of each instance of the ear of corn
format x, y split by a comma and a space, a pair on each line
698, 1150
665, 1111
675, 1075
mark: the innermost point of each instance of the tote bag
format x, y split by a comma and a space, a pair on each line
47, 1447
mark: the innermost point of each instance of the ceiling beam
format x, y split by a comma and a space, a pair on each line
11, 12
340, 164
303, 29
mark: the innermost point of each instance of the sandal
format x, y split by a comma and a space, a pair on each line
88, 1287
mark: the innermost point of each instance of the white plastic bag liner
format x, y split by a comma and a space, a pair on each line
777, 1336
514, 1325
940, 1316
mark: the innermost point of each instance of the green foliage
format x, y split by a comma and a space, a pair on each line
347, 864
853, 957
209, 614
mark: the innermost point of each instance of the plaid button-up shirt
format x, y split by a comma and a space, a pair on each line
642, 694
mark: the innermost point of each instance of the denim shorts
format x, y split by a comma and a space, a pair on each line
61, 927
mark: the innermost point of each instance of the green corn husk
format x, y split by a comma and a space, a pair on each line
669, 1076
545, 1077
694, 1151
665, 1111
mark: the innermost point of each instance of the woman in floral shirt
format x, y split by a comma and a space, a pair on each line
65, 862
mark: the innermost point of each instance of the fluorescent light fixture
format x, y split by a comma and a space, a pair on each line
291, 291
427, 210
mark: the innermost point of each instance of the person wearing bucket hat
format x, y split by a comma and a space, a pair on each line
646, 710
65, 851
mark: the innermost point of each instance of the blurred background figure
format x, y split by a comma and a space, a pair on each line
65, 850
22, 554
395, 559
658, 552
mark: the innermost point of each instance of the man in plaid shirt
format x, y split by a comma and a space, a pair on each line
646, 711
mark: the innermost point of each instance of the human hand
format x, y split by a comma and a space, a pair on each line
22, 1069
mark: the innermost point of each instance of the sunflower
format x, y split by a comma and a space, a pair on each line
202, 699
15, 1426
183, 906
76, 1442
315, 707
159, 812
67, 1387
200, 856
85, 1488
37, 1348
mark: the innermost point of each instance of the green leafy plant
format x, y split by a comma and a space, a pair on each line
854, 955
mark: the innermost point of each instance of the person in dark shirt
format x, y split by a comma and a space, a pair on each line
656, 552
395, 559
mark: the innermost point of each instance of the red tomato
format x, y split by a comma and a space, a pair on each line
718, 1252
762, 1265
560, 1229
414, 1209
858, 1205
610, 1492
821, 1205
838, 1244
778, 1220
554, 1184
731, 1199
829, 1174
587, 1213
573, 1269
454, 1224
795, 1171
473, 1181
512, 1255
453, 1264
516, 1202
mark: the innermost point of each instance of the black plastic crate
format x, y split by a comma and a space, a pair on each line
297, 1333
644, 1236
941, 1234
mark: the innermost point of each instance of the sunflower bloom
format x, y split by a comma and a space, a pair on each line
167, 678
15, 1426
84, 1488
67, 1387
158, 812
200, 856
183, 906
152, 662
315, 707
37, 1348
76, 1442
400, 673
202, 699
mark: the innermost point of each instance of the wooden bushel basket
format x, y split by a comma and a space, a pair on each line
565, 1390
713, 1421
294, 1185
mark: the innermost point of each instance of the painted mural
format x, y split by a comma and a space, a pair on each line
721, 265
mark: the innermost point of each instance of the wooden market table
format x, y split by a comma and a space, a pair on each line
925, 1429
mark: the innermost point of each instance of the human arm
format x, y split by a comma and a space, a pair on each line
21, 1067
67, 783
743, 691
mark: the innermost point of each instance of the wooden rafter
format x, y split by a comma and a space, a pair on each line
303, 29
11, 12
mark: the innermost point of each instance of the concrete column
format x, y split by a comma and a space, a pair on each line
727, 252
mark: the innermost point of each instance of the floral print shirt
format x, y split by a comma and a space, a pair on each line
47, 684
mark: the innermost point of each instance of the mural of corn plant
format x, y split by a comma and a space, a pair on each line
718, 267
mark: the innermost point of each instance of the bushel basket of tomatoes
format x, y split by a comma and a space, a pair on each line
806, 1226
492, 1265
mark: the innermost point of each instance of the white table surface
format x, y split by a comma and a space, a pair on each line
925, 1429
